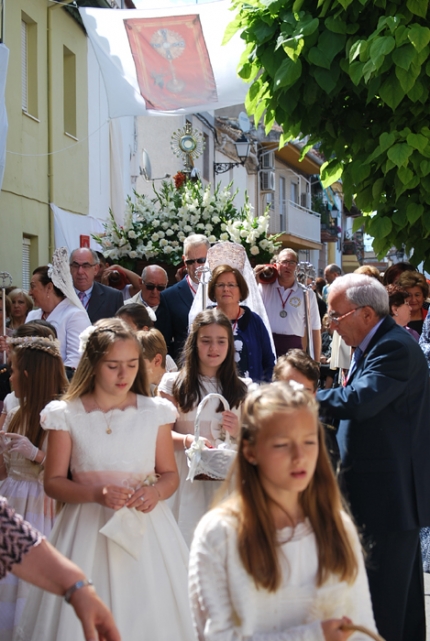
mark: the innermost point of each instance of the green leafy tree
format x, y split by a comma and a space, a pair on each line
353, 75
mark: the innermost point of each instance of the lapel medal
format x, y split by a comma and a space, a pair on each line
282, 313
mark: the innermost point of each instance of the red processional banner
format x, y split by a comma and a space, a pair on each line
173, 67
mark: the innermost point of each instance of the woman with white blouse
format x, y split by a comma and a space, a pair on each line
52, 291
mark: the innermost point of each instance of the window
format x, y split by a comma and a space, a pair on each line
29, 65
69, 93
282, 203
294, 192
270, 200
26, 275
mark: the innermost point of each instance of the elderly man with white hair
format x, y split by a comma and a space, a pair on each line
176, 301
384, 438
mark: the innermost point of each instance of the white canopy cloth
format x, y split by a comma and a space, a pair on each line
166, 61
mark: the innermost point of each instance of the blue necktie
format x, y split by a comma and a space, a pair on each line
356, 357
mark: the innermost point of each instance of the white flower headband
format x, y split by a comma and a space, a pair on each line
41, 343
84, 337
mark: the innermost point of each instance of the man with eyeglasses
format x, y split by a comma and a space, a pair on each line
384, 440
285, 306
99, 300
176, 301
153, 281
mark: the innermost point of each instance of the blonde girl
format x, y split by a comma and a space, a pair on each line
281, 560
110, 460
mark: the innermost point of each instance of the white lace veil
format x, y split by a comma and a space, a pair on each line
234, 255
59, 273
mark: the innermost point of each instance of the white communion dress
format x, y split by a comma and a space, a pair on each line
147, 590
192, 500
227, 606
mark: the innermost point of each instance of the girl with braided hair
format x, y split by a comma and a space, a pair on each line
37, 378
110, 461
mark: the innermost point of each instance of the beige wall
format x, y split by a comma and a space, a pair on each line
32, 180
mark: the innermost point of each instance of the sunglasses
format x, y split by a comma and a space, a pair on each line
151, 287
191, 261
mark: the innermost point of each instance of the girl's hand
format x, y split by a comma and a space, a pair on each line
145, 498
189, 439
332, 629
22, 445
113, 496
230, 423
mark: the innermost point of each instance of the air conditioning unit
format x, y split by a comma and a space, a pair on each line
267, 160
267, 178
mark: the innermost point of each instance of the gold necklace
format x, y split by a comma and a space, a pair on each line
107, 420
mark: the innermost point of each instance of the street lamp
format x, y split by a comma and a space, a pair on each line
242, 150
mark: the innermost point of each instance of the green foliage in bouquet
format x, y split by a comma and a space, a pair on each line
155, 228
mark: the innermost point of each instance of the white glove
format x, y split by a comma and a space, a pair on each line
22, 445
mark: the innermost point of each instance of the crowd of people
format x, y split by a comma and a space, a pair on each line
312, 405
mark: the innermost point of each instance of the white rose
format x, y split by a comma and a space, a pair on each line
223, 226
216, 220
224, 236
161, 234
188, 228
154, 237
243, 233
254, 250
163, 242
212, 239
169, 232
132, 254
132, 234
209, 227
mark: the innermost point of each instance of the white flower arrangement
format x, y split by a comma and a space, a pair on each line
155, 228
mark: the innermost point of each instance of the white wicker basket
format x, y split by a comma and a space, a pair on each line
209, 464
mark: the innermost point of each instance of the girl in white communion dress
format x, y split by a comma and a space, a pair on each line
280, 560
209, 367
110, 460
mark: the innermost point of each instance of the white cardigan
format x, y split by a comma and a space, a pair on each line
226, 605
69, 321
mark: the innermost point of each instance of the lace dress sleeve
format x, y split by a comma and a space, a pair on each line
17, 537
54, 416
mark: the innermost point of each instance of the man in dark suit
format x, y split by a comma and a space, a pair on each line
99, 300
384, 438
176, 301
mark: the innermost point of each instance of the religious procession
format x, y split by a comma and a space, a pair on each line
215, 342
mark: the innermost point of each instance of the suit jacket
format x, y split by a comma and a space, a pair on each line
384, 433
104, 302
172, 316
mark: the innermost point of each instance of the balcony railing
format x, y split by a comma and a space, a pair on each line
297, 221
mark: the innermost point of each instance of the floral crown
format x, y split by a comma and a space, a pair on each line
40, 343
84, 336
